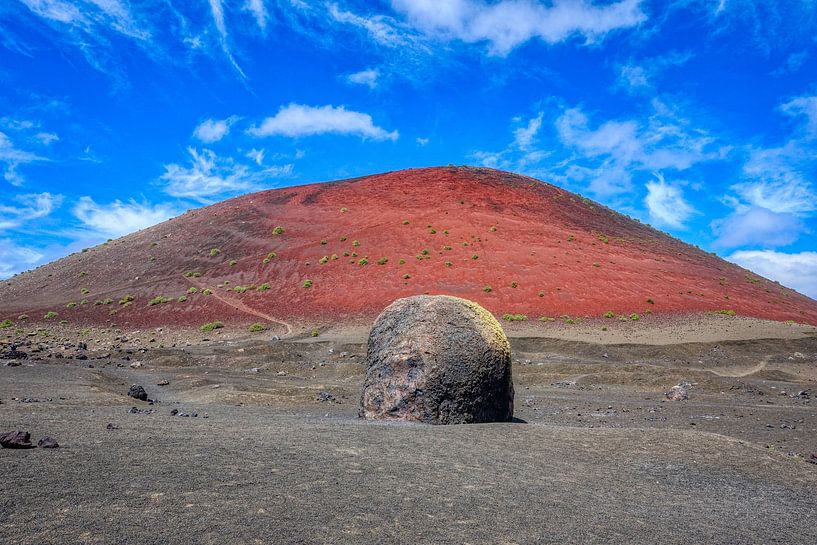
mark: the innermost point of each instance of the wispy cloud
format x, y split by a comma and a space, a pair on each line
795, 270
217, 10
259, 11
666, 204
296, 120
120, 218
29, 207
506, 24
213, 130
756, 226
210, 175
11, 157
15, 258
366, 77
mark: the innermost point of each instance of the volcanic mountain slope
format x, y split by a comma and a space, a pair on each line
343, 250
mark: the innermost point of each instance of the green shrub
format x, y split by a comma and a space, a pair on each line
355, 243
487, 289
83, 302
447, 248
432, 231
314, 333
634, 317
609, 314
514, 284
50, 314
546, 319
650, 302
445, 232
242, 289
570, 238
22, 317
343, 239
103, 302
323, 260
207, 291
405, 222
727, 312
6, 323
270, 257
363, 261
192, 290
83, 273
211, 326
541, 294
402, 262
406, 276
307, 283
127, 299
255, 328
492, 229
344, 210
334, 257
158, 300
84, 291
214, 252
448, 264
596, 264
278, 231
192, 274
514, 317
71, 305
475, 256
182, 298
233, 263
354, 254
382, 260
263, 287
603, 238
323, 242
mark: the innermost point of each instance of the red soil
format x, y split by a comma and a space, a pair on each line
565, 254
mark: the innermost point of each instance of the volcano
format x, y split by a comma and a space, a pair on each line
335, 251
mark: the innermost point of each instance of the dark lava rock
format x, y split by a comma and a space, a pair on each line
439, 360
47, 442
138, 392
16, 439
324, 397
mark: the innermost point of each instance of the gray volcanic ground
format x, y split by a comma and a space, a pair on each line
276, 453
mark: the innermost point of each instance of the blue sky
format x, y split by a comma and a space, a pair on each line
698, 117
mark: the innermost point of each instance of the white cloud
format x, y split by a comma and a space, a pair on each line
382, 29
47, 138
666, 204
796, 270
15, 258
117, 218
11, 157
507, 24
210, 130
297, 120
259, 11
751, 226
364, 77
210, 175
217, 11
524, 136
32, 206
804, 107
256, 155
422, 141
776, 179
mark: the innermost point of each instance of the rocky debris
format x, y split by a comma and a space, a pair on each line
111, 426
177, 412
163, 382
135, 365
679, 392
16, 439
138, 392
812, 459
47, 442
439, 360
324, 397
14, 355
13, 363
136, 410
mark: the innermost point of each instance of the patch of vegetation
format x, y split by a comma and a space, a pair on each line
464, 244
728, 312
270, 257
402, 262
323, 242
214, 252
382, 260
596, 264
363, 261
314, 332
22, 317
242, 289
323, 260
475, 256
192, 274
334, 257
344, 210
405, 222
154, 244
182, 298
255, 328
445, 232
278, 231
492, 229
207, 291
448, 264
71, 305
50, 314
83, 302
447, 248
103, 302
84, 291
514, 317
570, 238
432, 231
514, 284
609, 314
307, 283
355, 243
127, 299
192, 290
206, 328
6, 323
635, 317
343, 239
406, 276
487, 289
83, 273
158, 300
603, 238
263, 287
233, 263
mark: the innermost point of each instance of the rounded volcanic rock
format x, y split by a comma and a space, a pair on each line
439, 360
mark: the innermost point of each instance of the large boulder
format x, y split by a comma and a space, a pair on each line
440, 360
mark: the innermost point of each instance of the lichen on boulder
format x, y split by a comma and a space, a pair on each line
440, 360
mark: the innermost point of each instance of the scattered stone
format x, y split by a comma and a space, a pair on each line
325, 396
47, 442
679, 392
16, 439
439, 360
111, 426
163, 382
174, 412
135, 364
281, 373
13, 354
138, 392
136, 410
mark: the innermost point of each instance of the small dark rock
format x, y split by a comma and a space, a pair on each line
324, 397
47, 442
138, 392
16, 439
174, 412
111, 426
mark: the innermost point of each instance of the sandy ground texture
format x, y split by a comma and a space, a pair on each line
276, 453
